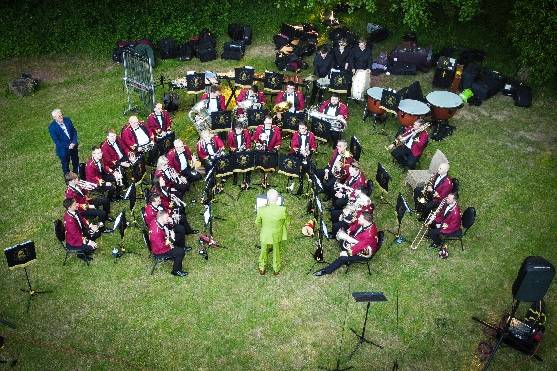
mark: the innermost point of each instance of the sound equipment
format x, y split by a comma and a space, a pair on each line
401, 68
167, 48
469, 75
533, 279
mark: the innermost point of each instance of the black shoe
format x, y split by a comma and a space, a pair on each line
110, 219
433, 245
187, 249
180, 273
319, 273
193, 231
84, 257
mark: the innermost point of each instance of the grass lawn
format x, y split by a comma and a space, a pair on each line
224, 315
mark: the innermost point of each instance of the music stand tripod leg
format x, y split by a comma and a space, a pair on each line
361, 337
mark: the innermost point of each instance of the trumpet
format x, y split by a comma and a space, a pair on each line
401, 139
89, 186
423, 229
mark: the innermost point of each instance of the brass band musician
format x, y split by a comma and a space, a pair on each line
304, 145
336, 169
428, 197
446, 220
410, 145
239, 140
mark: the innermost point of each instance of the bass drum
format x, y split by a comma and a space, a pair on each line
360, 83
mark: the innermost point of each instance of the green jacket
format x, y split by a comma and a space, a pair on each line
273, 220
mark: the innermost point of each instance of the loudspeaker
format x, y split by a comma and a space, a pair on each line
533, 279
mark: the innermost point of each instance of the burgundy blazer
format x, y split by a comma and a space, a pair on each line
82, 199
276, 138
110, 156
296, 142
419, 142
202, 152
92, 173
128, 137
367, 238
157, 238
443, 189
244, 95
74, 233
150, 215
342, 109
452, 219
153, 124
231, 139
174, 161
299, 102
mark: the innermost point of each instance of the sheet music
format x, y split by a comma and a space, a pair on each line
324, 228
261, 201
117, 221
208, 175
207, 214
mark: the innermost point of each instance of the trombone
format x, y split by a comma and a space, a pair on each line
425, 226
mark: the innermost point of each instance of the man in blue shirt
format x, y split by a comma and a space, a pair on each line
64, 136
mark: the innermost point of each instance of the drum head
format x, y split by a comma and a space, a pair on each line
375, 92
413, 107
444, 99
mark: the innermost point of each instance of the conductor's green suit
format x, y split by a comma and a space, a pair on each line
272, 219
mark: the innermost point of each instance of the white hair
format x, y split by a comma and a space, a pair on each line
272, 196
178, 142
55, 112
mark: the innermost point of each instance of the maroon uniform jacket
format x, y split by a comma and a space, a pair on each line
244, 95
129, 139
419, 141
297, 141
110, 156
366, 237
92, 172
299, 102
170, 182
347, 162
444, 187
165, 197
153, 124
75, 226
357, 182
158, 239
221, 101
174, 161
202, 151
341, 109
452, 219
150, 215
232, 142
274, 141
81, 196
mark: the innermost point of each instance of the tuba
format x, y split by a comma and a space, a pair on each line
199, 116
336, 124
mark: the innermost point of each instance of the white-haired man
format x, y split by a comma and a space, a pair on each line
272, 219
64, 136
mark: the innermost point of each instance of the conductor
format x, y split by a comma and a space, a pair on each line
272, 219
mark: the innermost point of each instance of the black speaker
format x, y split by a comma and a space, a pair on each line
533, 279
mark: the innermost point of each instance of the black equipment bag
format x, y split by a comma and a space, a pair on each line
469, 75
206, 40
205, 55
185, 52
336, 34
442, 78
377, 33
510, 88
233, 50
468, 56
401, 68
117, 55
490, 83
280, 40
167, 48
291, 31
171, 101
420, 57
238, 32
523, 96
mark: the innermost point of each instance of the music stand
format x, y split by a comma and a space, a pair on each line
340, 80
266, 161
291, 166
365, 297
243, 162
382, 177
401, 209
20, 256
292, 120
244, 76
120, 225
321, 129
390, 100
273, 81
221, 121
355, 148
255, 117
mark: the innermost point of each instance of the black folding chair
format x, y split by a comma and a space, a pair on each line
468, 219
60, 232
156, 259
380, 240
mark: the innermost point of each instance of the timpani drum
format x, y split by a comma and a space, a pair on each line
410, 110
444, 104
374, 100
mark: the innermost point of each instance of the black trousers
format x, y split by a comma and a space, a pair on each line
335, 137
190, 175
342, 260
83, 248
184, 223
404, 157
329, 184
435, 235
95, 213
337, 226
73, 156
177, 254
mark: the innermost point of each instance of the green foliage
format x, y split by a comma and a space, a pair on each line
534, 34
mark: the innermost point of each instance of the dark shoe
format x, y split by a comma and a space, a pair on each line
180, 273
193, 231
261, 272
319, 273
187, 249
433, 245
276, 273
85, 257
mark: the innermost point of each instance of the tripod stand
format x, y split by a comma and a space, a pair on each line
30, 290
368, 297
401, 209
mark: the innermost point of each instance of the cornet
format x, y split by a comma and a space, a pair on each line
89, 186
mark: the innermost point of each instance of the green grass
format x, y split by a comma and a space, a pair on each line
224, 315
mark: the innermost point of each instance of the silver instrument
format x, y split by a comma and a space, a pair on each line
200, 117
336, 123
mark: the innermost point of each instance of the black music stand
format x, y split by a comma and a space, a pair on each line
321, 129
273, 81
131, 195
291, 166
195, 82
340, 80
223, 166
20, 256
382, 177
244, 76
401, 209
266, 161
255, 117
291, 121
390, 100
243, 162
355, 148
120, 225
221, 121
366, 297
318, 257
165, 143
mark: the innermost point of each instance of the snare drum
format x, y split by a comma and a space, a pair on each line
374, 100
360, 83
444, 104
410, 110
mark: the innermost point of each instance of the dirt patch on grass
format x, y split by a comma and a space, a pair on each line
262, 50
